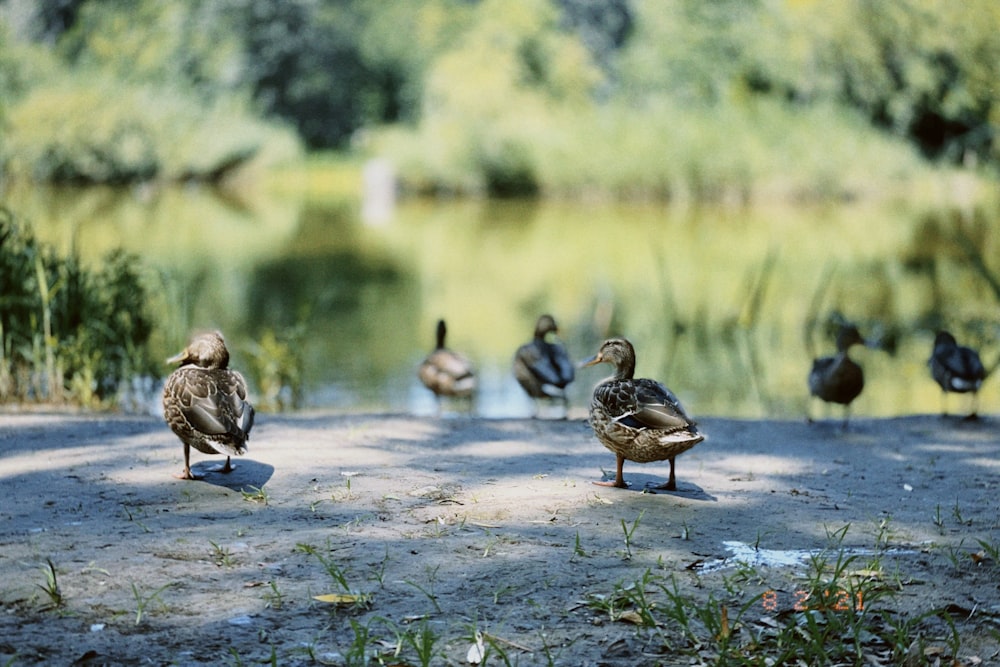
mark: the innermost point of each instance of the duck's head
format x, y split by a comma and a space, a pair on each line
619, 353
546, 324
944, 339
439, 333
847, 336
206, 350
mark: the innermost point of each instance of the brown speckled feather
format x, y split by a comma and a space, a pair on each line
205, 403
638, 419
208, 409
642, 420
838, 379
543, 368
446, 372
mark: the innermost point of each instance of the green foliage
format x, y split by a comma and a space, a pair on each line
628, 97
95, 129
68, 333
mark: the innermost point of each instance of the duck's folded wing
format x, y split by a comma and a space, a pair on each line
207, 417
541, 366
221, 408
561, 364
657, 407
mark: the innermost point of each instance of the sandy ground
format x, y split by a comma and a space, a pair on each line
450, 526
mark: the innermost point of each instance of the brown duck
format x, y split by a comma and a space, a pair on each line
445, 372
837, 378
205, 402
956, 368
542, 367
637, 419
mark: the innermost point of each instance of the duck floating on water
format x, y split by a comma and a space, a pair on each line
638, 419
956, 368
205, 402
445, 372
838, 378
542, 367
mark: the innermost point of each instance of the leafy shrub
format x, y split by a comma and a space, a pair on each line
67, 333
93, 129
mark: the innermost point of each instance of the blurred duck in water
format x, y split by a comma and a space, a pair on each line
956, 369
205, 402
638, 419
447, 373
838, 379
542, 367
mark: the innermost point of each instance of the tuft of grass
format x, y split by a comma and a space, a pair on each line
51, 587
337, 573
273, 598
629, 533
221, 556
840, 611
255, 494
143, 600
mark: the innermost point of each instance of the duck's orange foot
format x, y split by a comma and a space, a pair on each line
186, 474
614, 484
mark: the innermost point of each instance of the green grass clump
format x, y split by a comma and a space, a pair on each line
839, 612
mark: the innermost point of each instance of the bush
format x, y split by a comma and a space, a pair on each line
67, 334
92, 129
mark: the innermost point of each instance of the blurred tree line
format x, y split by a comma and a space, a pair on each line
120, 90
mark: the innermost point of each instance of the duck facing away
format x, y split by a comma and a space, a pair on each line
956, 369
542, 367
838, 379
638, 419
205, 402
445, 372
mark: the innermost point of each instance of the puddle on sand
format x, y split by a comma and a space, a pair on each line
745, 554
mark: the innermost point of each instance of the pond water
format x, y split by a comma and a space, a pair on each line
726, 305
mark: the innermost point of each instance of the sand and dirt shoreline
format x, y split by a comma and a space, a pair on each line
449, 526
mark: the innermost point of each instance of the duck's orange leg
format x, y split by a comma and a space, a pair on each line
186, 473
619, 479
671, 483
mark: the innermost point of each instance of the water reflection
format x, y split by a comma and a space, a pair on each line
727, 306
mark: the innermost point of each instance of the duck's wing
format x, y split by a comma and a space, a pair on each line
968, 364
561, 364
548, 364
215, 404
648, 404
451, 363
957, 369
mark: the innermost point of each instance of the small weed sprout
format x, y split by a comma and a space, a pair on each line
274, 598
142, 601
221, 556
336, 572
51, 587
255, 494
422, 640
629, 532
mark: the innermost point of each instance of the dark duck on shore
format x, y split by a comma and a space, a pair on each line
956, 369
638, 419
445, 372
838, 378
205, 402
542, 367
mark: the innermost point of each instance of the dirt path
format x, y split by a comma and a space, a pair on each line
449, 527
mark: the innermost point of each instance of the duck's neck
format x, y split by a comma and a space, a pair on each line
624, 370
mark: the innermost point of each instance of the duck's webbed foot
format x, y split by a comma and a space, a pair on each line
225, 468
